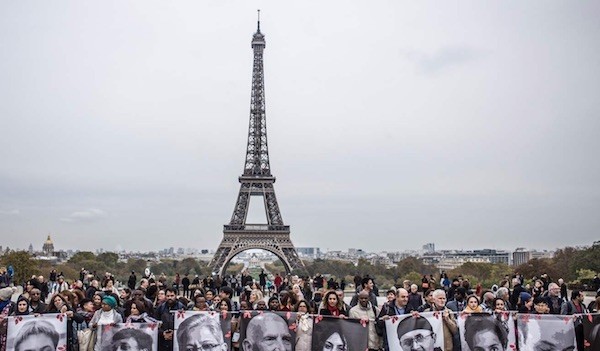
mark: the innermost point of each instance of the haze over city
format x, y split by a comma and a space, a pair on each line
390, 125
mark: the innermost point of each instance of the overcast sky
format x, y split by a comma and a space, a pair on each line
391, 124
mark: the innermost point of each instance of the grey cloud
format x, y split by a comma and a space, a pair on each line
14, 212
88, 215
443, 58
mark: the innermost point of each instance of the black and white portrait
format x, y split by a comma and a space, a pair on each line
545, 332
37, 333
485, 331
424, 332
128, 337
591, 331
195, 330
339, 334
267, 331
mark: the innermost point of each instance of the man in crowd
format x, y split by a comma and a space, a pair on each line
364, 310
367, 284
517, 290
36, 305
274, 304
185, 282
132, 281
397, 307
488, 301
553, 299
458, 304
575, 306
451, 335
163, 314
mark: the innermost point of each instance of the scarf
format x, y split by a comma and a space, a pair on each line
106, 317
334, 311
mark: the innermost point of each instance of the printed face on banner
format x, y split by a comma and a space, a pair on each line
267, 331
42, 333
423, 333
202, 331
545, 332
339, 334
591, 332
486, 332
128, 337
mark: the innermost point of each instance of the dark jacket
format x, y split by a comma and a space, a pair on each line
388, 309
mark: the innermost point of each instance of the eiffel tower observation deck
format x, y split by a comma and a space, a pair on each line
257, 181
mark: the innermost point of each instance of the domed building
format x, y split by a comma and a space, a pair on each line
48, 247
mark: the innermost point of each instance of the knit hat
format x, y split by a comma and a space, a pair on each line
109, 300
524, 296
7, 293
409, 324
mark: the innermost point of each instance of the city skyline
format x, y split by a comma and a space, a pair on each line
470, 126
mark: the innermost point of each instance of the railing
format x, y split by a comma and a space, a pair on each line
257, 227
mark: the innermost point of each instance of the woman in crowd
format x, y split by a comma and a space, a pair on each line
107, 315
137, 313
305, 326
22, 308
59, 304
499, 305
473, 305
255, 296
332, 305
97, 300
298, 291
160, 298
199, 303
109, 287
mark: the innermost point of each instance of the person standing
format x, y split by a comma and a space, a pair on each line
553, 298
132, 281
396, 307
185, 283
364, 310
451, 335
163, 314
262, 278
576, 306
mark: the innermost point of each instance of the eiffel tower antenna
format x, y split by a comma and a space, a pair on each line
257, 181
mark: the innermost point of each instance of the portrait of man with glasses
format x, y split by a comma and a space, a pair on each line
415, 333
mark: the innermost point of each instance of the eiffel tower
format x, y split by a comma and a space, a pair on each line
257, 180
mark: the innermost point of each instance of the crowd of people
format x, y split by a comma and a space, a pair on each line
90, 303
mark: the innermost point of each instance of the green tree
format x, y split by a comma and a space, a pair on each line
108, 259
82, 256
23, 264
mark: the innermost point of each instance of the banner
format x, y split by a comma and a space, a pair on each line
485, 331
545, 332
423, 332
333, 333
128, 336
202, 331
591, 331
266, 330
39, 332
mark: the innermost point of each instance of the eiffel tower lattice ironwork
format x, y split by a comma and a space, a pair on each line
239, 236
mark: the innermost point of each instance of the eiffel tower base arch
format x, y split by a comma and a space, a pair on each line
278, 244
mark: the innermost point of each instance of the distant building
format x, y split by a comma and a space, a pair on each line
520, 256
48, 247
429, 247
30, 249
309, 252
